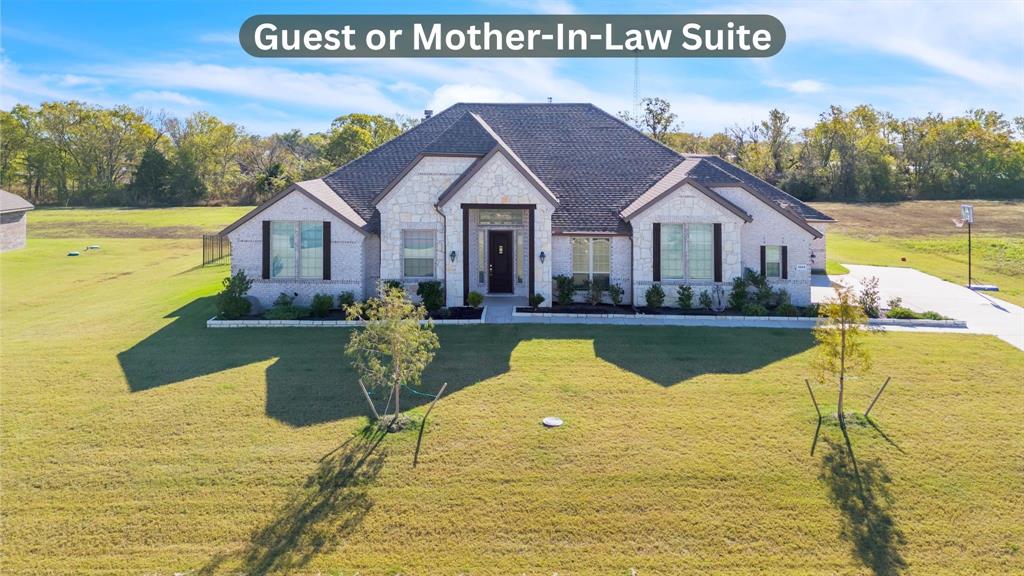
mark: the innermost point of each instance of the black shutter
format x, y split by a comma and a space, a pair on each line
718, 252
764, 260
327, 250
657, 252
785, 263
266, 249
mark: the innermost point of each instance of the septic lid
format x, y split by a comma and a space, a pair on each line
552, 422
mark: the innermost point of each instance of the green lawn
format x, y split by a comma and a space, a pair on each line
921, 235
135, 440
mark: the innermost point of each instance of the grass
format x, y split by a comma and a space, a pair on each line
921, 235
135, 440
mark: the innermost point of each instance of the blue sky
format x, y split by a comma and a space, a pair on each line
908, 58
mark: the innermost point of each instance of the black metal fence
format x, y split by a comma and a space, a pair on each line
215, 247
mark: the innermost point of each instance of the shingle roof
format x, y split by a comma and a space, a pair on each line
781, 198
593, 163
10, 202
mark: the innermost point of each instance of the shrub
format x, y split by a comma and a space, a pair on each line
346, 299
738, 296
684, 294
895, 302
475, 299
811, 311
432, 294
932, 315
868, 297
564, 289
615, 292
285, 299
787, 309
655, 296
782, 298
595, 293
536, 300
321, 305
754, 309
393, 284
231, 302
705, 300
286, 312
902, 313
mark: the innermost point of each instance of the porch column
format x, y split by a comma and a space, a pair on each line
465, 256
532, 251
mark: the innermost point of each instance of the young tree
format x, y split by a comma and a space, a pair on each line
394, 348
840, 336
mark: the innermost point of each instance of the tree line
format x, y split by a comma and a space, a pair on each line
73, 153
863, 154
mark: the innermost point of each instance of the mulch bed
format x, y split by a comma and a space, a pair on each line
579, 309
457, 313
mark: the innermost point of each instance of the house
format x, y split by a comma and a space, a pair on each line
500, 198
13, 221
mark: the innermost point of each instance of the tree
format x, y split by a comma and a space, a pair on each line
393, 349
353, 135
152, 182
658, 120
840, 335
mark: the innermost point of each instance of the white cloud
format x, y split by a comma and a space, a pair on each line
805, 86
166, 96
227, 38
974, 41
449, 94
268, 83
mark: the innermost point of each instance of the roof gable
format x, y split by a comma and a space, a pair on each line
318, 192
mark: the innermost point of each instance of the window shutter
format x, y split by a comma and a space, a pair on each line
718, 252
764, 260
785, 263
657, 252
266, 249
327, 250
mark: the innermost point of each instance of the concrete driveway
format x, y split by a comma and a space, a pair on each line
983, 312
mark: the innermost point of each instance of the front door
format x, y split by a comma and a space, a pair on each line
499, 261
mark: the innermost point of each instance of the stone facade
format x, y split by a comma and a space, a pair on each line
13, 230
347, 260
769, 227
498, 182
621, 261
686, 205
818, 255
410, 205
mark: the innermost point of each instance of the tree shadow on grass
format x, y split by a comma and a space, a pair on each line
860, 491
330, 506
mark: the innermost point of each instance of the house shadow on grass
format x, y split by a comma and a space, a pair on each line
860, 492
330, 505
310, 381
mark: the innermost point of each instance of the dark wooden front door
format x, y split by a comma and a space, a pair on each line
499, 261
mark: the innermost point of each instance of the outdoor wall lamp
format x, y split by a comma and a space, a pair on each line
452, 256
542, 256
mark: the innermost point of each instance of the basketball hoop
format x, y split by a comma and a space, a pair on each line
959, 222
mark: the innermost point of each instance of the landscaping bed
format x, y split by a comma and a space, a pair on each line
601, 309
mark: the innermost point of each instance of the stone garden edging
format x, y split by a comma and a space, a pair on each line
216, 323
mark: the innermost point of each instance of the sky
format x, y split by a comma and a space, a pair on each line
909, 58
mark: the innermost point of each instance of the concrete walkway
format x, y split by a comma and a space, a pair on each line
500, 308
983, 311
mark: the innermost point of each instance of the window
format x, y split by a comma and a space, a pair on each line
701, 251
687, 251
418, 253
672, 251
591, 261
481, 252
296, 249
773, 261
499, 217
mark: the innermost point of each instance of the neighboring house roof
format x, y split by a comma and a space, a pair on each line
13, 203
594, 165
315, 190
